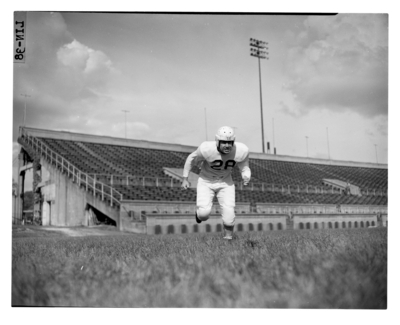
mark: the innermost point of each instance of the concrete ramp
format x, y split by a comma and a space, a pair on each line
177, 173
66, 203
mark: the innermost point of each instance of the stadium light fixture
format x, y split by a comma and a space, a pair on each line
258, 50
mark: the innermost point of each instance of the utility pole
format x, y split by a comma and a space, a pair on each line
327, 137
125, 111
25, 95
205, 117
257, 50
376, 154
307, 145
273, 135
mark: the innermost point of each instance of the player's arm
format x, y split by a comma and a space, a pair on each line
191, 161
245, 170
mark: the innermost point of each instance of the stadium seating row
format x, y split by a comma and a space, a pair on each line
177, 194
105, 159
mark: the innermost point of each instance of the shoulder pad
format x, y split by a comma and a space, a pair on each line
242, 151
208, 148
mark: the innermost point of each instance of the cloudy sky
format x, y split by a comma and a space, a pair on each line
326, 79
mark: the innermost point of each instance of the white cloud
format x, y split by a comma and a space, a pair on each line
288, 109
341, 63
92, 68
63, 78
74, 55
84, 59
98, 61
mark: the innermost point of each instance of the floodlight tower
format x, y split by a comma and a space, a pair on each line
258, 50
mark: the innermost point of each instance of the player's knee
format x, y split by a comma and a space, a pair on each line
203, 213
228, 216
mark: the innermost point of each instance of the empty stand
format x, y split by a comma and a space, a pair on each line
138, 174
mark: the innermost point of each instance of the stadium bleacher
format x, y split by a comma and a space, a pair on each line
304, 180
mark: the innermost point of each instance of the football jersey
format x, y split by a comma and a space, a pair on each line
215, 165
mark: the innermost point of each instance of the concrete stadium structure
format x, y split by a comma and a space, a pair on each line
70, 194
181, 224
329, 221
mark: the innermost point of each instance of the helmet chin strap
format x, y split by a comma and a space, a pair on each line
219, 148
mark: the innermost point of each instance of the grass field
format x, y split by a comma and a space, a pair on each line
340, 268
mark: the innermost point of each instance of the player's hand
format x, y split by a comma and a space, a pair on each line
246, 181
185, 184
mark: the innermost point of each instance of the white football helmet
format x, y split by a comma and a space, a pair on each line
224, 133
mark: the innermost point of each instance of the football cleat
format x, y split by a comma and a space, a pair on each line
228, 232
197, 219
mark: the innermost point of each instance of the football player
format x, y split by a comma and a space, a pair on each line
217, 159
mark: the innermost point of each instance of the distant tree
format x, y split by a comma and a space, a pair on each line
28, 200
14, 187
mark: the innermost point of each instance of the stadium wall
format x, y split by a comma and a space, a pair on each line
132, 213
173, 224
293, 208
384, 220
66, 204
326, 221
143, 216
184, 224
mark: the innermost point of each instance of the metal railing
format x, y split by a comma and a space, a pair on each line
130, 180
82, 179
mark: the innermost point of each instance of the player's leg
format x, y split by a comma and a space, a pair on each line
226, 199
205, 196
